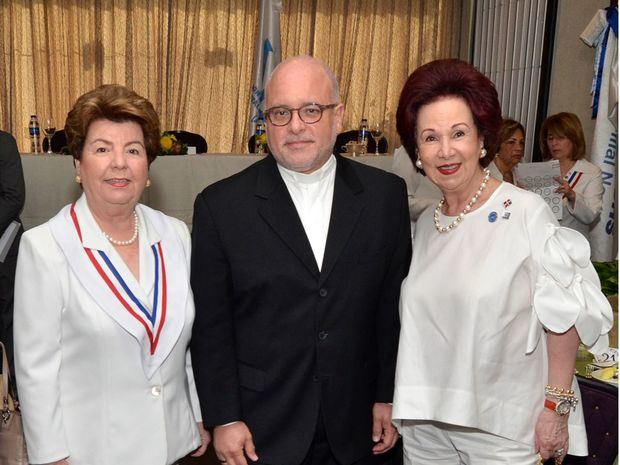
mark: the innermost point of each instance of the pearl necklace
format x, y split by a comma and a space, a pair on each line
466, 210
133, 238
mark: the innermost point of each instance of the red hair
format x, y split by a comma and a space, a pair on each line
449, 78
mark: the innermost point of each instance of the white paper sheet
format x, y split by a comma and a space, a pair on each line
538, 178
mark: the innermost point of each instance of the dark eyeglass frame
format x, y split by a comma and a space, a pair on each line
321, 107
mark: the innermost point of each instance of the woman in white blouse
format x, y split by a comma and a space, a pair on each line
511, 144
103, 307
497, 297
561, 138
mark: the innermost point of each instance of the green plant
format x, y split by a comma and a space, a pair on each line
608, 274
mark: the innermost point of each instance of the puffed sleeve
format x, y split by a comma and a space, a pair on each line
39, 303
567, 289
589, 204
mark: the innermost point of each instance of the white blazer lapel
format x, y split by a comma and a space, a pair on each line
156, 334
176, 268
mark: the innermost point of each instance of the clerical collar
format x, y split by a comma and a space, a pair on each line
312, 178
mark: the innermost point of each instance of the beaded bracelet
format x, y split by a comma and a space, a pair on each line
558, 391
562, 394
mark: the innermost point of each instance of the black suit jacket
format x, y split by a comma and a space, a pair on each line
274, 339
12, 197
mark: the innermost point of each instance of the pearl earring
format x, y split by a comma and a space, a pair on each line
483, 152
148, 182
418, 163
78, 179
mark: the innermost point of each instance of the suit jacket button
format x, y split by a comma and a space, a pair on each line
323, 335
156, 391
323, 292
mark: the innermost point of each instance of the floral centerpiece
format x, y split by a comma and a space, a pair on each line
170, 145
261, 139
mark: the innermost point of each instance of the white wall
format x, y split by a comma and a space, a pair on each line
573, 62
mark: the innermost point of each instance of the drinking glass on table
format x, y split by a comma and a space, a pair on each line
49, 129
376, 132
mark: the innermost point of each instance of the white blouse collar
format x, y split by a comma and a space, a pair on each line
92, 235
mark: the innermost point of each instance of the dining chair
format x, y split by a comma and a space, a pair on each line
600, 411
349, 136
191, 139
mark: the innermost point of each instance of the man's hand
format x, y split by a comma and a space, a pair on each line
205, 439
231, 441
384, 433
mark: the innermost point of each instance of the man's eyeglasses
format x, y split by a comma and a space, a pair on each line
309, 114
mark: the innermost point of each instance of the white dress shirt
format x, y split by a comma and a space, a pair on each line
312, 195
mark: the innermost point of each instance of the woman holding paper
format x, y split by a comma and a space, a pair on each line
497, 297
581, 182
103, 307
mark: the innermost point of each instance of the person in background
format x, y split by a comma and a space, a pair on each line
297, 264
421, 193
103, 307
509, 154
12, 197
497, 298
581, 183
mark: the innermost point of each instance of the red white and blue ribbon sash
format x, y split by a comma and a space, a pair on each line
574, 178
153, 321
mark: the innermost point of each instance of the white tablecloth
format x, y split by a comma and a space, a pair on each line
175, 181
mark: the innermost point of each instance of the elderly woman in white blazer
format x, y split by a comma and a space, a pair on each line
561, 138
103, 308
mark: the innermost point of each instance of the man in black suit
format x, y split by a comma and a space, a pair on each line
12, 197
297, 264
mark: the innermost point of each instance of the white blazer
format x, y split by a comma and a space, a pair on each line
94, 385
586, 180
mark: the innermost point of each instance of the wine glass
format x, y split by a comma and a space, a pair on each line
49, 129
376, 132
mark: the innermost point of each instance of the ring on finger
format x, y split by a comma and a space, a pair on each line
558, 452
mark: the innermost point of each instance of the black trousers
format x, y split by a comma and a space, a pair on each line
320, 452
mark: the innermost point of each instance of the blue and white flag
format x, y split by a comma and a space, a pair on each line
268, 55
602, 33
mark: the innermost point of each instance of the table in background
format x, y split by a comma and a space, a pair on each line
175, 181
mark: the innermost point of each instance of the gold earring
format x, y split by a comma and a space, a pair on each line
148, 182
78, 179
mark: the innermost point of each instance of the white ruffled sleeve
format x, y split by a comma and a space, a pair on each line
567, 289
